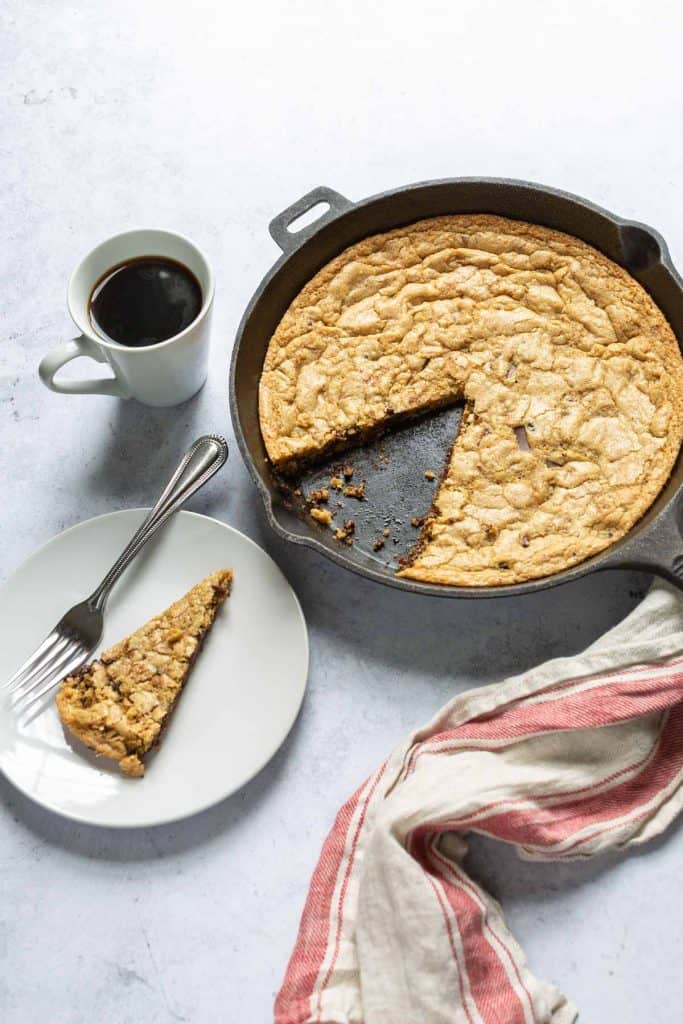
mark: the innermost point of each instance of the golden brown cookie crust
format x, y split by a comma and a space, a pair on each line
572, 376
119, 704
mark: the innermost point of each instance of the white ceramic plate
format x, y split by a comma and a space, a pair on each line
239, 703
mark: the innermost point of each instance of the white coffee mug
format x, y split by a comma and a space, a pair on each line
163, 374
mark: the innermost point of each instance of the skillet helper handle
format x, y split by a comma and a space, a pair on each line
279, 227
657, 549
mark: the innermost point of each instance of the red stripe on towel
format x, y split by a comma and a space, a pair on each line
488, 981
469, 821
459, 880
344, 886
293, 1002
549, 826
604, 705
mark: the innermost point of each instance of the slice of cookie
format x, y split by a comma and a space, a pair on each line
119, 704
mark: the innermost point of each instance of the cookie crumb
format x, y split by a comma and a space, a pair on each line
386, 533
417, 521
336, 483
321, 515
345, 533
430, 474
355, 491
320, 494
347, 471
379, 544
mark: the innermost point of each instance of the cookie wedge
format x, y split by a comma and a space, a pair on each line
119, 704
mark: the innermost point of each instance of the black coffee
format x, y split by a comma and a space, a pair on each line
145, 301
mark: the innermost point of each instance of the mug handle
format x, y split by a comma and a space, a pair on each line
58, 357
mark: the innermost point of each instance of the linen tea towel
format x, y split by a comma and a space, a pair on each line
578, 756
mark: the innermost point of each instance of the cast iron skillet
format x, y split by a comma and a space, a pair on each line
654, 543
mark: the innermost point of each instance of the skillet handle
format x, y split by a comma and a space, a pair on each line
291, 240
658, 548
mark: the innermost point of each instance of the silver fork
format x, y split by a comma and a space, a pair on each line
78, 632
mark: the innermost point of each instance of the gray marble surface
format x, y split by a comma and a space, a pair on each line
210, 119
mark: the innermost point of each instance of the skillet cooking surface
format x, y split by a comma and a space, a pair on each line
392, 468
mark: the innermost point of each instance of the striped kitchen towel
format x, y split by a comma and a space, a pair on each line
578, 756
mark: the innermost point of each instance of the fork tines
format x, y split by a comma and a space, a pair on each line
59, 654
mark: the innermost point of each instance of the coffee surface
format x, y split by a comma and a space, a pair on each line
145, 301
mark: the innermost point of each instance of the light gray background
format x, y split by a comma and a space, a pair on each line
210, 120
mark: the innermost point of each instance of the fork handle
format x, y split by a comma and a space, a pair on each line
200, 462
